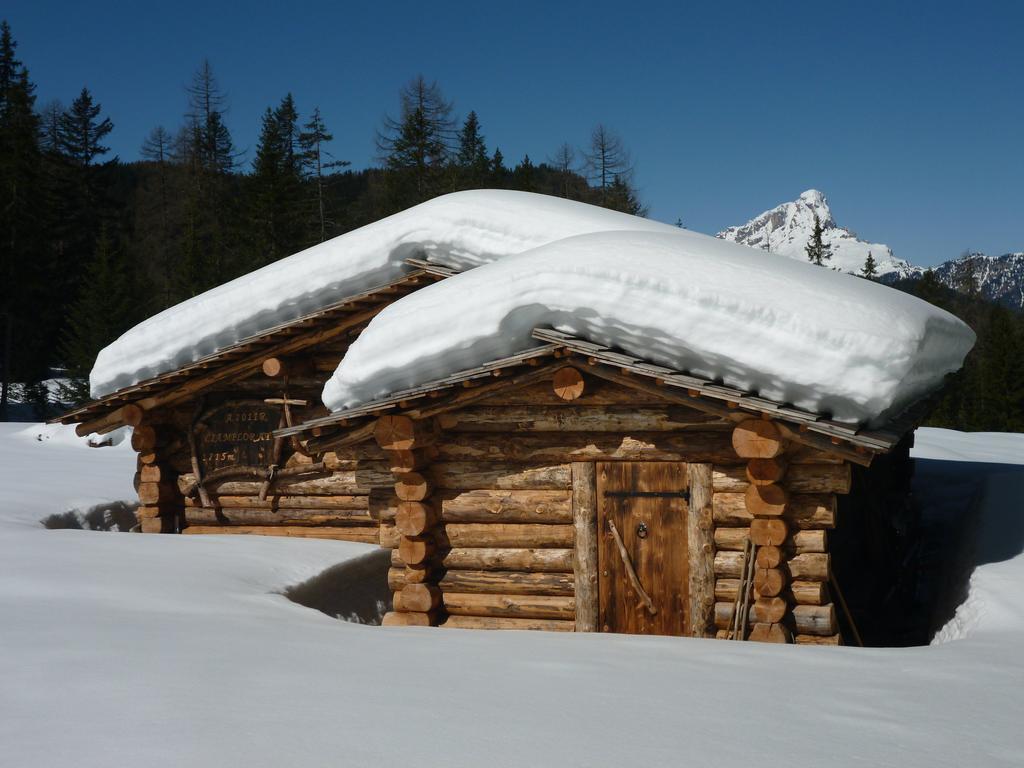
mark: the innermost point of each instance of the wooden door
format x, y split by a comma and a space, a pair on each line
647, 502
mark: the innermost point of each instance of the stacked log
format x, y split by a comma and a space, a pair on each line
161, 505
783, 499
408, 448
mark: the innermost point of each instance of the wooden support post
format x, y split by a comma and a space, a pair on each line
766, 500
702, 551
584, 510
406, 445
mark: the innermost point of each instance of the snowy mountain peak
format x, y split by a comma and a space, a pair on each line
786, 229
816, 199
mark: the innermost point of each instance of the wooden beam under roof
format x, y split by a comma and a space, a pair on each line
815, 430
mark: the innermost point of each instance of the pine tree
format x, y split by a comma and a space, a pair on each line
101, 313
472, 158
499, 173
416, 146
620, 196
316, 162
818, 252
870, 268
157, 149
205, 150
26, 330
80, 132
524, 175
211, 141
276, 186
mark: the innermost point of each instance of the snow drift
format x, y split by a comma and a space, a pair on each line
463, 230
791, 331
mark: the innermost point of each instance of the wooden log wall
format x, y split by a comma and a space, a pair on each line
782, 499
332, 503
512, 492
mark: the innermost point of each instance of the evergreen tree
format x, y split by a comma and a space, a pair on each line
415, 147
621, 196
870, 268
472, 155
525, 175
206, 152
316, 162
211, 142
25, 327
49, 137
101, 313
818, 252
157, 149
499, 173
80, 131
277, 186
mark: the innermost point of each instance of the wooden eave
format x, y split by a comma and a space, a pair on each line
246, 355
557, 348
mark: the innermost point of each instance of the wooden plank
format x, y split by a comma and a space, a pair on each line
302, 517
508, 582
491, 622
510, 559
508, 535
701, 550
506, 506
580, 418
499, 476
364, 534
566, 447
344, 502
510, 606
585, 558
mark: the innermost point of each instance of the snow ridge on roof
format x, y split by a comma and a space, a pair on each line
463, 230
822, 340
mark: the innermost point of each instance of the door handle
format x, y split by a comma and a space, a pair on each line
630, 571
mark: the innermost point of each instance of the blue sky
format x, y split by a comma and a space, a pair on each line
910, 116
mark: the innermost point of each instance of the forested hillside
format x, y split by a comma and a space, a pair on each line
90, 245
93, 245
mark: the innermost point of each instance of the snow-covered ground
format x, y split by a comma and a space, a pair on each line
121, 649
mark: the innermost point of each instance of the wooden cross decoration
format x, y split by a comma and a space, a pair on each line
286, 421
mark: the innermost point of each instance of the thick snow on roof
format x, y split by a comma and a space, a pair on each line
464, 230
794, 332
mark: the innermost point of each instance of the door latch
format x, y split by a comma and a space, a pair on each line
641, 531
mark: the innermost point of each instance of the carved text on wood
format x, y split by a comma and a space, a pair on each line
239, 433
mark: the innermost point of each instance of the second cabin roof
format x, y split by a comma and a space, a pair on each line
556, 349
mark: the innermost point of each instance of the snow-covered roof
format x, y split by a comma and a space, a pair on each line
794, 333
462, 230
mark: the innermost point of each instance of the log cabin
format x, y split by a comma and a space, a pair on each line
569, 486
208, 461
573, 487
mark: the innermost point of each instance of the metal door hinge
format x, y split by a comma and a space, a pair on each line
649, 494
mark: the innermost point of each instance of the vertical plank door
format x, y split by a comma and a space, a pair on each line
647, 502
